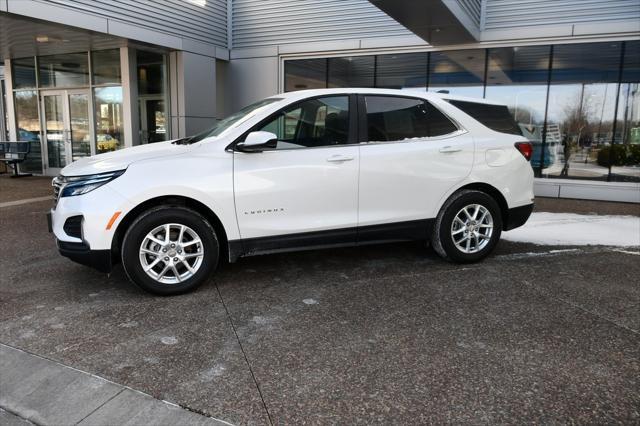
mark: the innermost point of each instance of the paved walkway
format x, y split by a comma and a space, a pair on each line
49, 393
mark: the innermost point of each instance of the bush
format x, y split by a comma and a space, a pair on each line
633, 159
616, 153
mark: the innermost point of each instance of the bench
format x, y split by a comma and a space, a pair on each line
14, 153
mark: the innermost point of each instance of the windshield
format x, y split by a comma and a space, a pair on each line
228, 122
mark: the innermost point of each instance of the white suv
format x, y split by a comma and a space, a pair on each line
301, 170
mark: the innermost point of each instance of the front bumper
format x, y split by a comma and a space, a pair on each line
89, 241
82, 254
518, 216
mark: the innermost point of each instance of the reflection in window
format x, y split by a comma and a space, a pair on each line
65, 70
108, 113
392, 119
517, 77
5, 117
105, 65
581, 108
28, 128
23, 72
312, 123
402, 70
305, 74
461, 72
625, 155
152, 107
352, 71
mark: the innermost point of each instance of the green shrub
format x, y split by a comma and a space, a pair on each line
633, 159
616, 153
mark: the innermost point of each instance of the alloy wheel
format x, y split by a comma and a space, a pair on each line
171, 253
472, 228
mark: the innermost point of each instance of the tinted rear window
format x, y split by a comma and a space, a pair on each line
495, 117
391, 118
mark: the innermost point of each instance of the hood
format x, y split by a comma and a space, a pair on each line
121, 159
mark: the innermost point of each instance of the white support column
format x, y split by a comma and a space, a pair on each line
130, 118
11, 111
3, 129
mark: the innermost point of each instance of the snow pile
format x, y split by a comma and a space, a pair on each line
570, 229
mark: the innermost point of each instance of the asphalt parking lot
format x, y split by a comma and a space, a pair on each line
378, 334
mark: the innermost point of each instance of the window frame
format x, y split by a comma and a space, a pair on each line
363, 132
353, 123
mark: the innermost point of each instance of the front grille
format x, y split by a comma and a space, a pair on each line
57, 186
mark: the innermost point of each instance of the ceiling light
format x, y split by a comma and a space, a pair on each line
49, 39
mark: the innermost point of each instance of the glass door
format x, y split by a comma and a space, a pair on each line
79, 124
153, 123
54, 131
67, 127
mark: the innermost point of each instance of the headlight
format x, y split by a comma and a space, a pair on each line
78, 185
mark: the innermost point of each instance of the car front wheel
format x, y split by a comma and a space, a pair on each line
468, 227
169, 250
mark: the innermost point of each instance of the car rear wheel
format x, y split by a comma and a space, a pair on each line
170, 250
468, 227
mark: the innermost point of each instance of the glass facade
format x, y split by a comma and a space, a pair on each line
23, 72
152, 96
106, 67
578, 103
108, 113
517, 77
402, 70
351, 71
306, 74
68, 106
66, 70
28, 127
460, 72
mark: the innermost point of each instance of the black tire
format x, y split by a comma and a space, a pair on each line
442, 239
158, 216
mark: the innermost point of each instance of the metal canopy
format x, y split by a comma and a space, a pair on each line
432, 20
22, 37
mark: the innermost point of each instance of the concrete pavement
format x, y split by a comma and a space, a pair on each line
45, 392
379, 334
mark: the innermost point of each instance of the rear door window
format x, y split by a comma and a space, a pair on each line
495, 117
394, 119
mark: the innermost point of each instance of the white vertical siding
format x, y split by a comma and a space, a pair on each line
201, 20
472, 8
502, 14
271, 22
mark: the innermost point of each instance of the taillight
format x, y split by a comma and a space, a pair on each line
525, 149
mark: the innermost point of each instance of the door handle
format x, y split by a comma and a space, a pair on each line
339, 158
448, 149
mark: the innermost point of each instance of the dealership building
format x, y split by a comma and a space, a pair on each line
81, 77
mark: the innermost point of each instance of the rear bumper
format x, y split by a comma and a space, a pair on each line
82, 254
517, 216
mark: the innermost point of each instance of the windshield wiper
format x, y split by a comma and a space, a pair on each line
183, 141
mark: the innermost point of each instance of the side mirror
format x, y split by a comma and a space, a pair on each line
258, 142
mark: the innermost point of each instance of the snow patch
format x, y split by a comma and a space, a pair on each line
215, 371
569, 229
260, 320
169, 340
